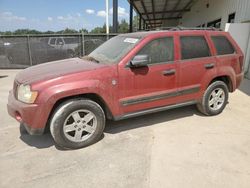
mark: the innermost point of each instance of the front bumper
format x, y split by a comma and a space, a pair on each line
30, 115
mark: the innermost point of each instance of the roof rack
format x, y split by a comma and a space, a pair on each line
181, 28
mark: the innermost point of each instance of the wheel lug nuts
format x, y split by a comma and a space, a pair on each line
79, 129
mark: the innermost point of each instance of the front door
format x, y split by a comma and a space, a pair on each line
153, 85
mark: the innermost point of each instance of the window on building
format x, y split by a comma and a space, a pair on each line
222, 45
215, 23
159, 50
194, 47
231, 18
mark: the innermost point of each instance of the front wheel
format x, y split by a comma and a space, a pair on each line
77, 123
214, 99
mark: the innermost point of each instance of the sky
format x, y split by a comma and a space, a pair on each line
57, 15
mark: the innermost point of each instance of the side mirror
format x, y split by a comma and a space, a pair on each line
139, 61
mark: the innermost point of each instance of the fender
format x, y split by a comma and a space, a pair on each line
223, 71
49, 96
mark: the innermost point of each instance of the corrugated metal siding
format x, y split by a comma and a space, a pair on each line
200, 14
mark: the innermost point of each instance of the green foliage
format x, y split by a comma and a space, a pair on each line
123, 27
98, 30
34, 32
83, 30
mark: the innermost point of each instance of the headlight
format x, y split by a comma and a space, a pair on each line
24, 94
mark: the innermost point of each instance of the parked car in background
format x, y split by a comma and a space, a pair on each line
3, 46
89, 45
129, 75
40, 52
65, 43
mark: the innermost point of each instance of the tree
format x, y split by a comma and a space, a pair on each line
26, 32
136, 23
123, 26
83, 30
98, 30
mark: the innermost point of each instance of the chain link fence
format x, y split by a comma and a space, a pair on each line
27, 50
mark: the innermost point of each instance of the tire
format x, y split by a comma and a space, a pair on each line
72, 131
22, 129
212, 103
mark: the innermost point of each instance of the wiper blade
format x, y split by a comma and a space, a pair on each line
90, 58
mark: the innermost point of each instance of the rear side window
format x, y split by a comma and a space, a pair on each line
159, 50
222, 45
194, 47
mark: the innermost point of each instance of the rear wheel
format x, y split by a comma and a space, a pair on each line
77, 123
214, 99
22, 129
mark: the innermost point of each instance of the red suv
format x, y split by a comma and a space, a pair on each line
129, 75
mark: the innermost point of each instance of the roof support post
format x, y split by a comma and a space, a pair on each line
131, 17
140, 22
115, 16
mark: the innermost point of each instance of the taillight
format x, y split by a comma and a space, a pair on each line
241, 59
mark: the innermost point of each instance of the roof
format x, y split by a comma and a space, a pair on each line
154, 12
143, 34
140, 34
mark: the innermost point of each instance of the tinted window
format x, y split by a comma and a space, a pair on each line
114, 49
52, 41
159, 50
222, 45
194, 47
59, 41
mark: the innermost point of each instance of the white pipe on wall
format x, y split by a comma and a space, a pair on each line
107, 16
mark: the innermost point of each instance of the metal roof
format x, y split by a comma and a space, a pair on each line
154, 12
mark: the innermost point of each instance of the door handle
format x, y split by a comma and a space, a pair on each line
209, 66
168, 72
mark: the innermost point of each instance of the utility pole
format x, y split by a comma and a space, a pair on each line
115, 16
107, 16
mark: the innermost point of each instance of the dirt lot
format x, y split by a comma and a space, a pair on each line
176, 148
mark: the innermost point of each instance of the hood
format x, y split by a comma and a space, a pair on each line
55, 69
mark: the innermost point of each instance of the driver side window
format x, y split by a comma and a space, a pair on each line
159, 50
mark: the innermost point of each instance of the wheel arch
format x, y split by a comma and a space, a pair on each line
92, 96
226, 79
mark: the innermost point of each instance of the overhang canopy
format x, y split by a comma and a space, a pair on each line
154, 12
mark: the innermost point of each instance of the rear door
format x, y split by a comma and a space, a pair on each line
196, 64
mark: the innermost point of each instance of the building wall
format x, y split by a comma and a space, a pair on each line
170, 23
218, 9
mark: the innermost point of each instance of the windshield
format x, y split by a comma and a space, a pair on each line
114, 49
